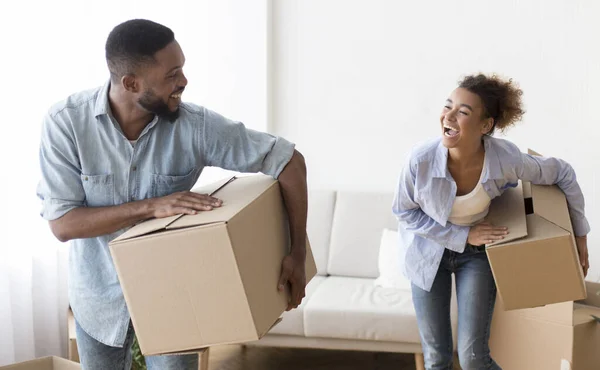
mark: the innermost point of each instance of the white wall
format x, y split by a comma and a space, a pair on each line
356, 83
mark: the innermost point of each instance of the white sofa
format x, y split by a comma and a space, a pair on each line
343, 308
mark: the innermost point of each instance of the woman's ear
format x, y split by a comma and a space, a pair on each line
487, 127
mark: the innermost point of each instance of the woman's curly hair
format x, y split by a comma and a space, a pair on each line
501, 99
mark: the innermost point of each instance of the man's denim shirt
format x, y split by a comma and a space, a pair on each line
86, 161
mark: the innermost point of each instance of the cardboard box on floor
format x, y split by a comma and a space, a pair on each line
549, 337
72, 350
44, 363
193, 281
537, 263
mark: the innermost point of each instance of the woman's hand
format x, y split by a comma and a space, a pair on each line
584, 257
486, 233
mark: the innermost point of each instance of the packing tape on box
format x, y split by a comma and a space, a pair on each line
565, 365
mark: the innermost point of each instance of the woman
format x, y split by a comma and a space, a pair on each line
441, 202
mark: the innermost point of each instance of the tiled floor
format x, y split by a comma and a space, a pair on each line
259, 358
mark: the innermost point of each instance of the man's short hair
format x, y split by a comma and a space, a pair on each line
133, 44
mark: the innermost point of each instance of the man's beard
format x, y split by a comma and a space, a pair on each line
154, 104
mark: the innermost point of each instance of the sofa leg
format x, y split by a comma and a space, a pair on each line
419, 361
203, 360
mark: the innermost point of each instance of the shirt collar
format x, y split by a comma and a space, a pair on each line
491, 169
440, 162
102, 107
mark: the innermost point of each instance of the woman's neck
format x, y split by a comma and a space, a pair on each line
466, 157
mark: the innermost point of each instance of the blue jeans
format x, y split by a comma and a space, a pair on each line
94, 355
476, 295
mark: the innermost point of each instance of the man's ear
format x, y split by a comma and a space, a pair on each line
130, 83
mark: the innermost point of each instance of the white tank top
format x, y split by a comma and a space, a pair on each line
469, 209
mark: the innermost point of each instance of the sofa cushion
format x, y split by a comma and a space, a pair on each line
293, 321
318, 227
390, 267
354, 308
358, 221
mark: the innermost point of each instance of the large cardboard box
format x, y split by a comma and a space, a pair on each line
558, 336
44, 363
193, 281
537, 263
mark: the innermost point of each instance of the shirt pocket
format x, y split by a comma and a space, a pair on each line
163, 185
99, 190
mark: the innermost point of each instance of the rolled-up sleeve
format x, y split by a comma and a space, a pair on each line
60, 188
232, 146
555, 171
413, 219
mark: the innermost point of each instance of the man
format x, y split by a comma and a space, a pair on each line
131, 150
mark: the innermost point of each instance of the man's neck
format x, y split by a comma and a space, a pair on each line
127, 113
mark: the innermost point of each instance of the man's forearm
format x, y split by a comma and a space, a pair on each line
294, 191
90, 222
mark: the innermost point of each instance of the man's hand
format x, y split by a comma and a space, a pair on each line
90, 222
486, 233
292, 181
584, 257
292, 272
185, 202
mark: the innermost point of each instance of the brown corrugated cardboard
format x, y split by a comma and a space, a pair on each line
537, 263
73, 353
195, 281
544, 338
44, 363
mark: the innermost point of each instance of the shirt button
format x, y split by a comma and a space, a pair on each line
132, 198
134, 168
85, 178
